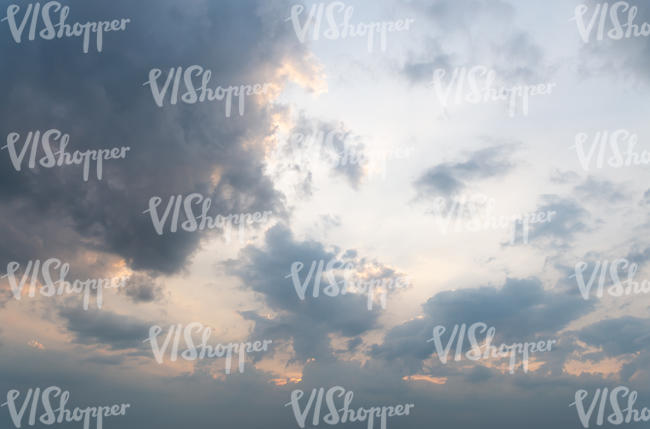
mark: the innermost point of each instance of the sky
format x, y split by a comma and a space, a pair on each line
368, 158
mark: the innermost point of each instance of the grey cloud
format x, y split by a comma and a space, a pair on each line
568, 220
618, 336
307, 322
105, 329
486, 33
143, 288
333, 144
626, 60
521, 310
646, 196
452, 178
564, 177
100, 100
639, 257
600, 189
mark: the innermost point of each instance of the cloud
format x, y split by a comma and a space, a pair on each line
600, 189
639, 257
312, 143
309, 322
105, 329
100, 101
625, 60
569, 219
564, 177
143, 288
618, 336
451, 178
521, 310
467, 33
381, 355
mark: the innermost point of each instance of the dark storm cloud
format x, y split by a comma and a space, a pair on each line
100, 100
452, 178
